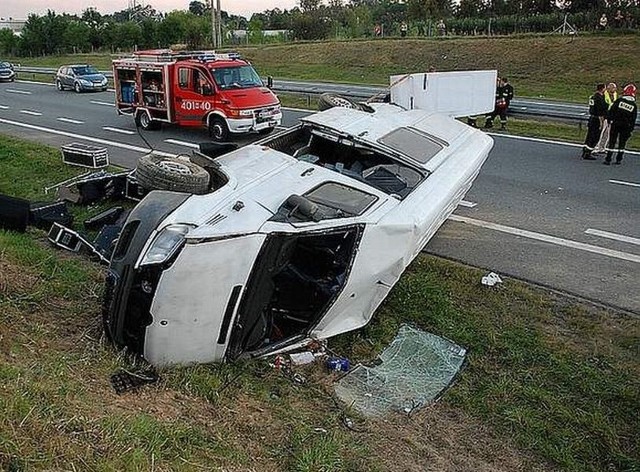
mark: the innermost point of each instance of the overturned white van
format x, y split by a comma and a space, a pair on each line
303, 234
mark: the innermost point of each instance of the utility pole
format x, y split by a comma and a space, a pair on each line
216, 24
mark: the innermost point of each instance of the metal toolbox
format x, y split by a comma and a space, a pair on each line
84, 155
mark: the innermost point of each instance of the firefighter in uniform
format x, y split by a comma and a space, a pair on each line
504, 95
597, 114
622, 116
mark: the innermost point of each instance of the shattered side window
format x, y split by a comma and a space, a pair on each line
414, 370
417, 146
336, 196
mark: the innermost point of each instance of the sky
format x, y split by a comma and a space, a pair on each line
20, 9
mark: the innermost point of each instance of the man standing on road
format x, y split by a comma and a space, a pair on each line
504, 95
610, 96
597, 113
622, 116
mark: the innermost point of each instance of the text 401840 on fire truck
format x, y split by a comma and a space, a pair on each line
221, 92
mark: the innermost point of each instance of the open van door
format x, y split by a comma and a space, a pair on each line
455, 94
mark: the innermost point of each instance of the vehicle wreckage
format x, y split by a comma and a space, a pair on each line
300, 236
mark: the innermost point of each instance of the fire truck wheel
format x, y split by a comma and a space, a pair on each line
169, 173
145, 122
330, 100
218, 129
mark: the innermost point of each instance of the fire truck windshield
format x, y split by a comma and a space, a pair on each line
236, 77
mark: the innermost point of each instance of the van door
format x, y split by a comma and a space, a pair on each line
192, 94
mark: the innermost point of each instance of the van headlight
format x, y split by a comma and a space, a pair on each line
165, 244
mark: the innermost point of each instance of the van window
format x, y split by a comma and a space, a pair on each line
410, 142
183, 78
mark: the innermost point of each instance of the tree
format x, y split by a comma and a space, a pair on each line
76, 37
197, 8
8, 42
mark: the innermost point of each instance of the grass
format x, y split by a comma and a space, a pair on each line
554, 67
551, 383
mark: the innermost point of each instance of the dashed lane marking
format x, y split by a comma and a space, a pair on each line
22, 92
70, 120
117, 130
622, 182
4, 107
182, 143
91, 139
32, 113
617, 237
98, 102
548, 239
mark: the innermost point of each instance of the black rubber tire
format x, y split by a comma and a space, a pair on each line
77, 87
144, 121
218, 129
330, 100
59, 85
169, 173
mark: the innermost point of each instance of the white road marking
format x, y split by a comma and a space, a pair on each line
467, 204
281, 127
299, 109
4, 107
549, 141
548, 239
622, 182
617, 237
91, 139
70, 120
98, 102
117, 130
182, 143
29, 112
23, 92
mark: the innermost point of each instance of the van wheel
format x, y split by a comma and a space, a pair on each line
77, 87
145, 122
330, 100
218, 129
59, 85
170, 173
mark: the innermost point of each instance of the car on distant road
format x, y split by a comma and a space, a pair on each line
80, 78
7, 74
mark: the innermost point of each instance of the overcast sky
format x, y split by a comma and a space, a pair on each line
20, 9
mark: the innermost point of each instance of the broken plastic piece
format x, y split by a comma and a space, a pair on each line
125, 381
491, 279
106, 217
43, 214
302, 358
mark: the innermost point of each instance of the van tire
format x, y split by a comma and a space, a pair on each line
331, 100
218, 129
156, 172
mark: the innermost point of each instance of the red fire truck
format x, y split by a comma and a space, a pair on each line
221, 92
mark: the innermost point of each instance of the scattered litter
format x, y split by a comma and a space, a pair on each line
417, 367
491, 279
71, 240
338, 364
14, 213
125, 381
106, 217
302, 358
320, 430
43, 214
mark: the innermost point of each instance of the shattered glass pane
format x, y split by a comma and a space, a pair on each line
416, 368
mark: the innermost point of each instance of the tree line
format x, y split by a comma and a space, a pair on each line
144, 27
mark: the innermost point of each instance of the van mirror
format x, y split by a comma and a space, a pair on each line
269, 82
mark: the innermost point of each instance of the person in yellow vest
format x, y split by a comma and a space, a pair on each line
610, 96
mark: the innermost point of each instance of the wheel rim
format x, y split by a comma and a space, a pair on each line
174, 167
59, 85
144, 120
77, 88
342, 102
216, 131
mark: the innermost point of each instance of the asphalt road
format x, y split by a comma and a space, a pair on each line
536, 212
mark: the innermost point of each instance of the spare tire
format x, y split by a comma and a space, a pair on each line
156, 172
330, 100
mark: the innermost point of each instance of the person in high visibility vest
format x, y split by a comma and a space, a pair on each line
610, 96
622, 117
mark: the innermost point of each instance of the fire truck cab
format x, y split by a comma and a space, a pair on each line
221, 92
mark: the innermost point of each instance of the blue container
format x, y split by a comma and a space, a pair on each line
338, 364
